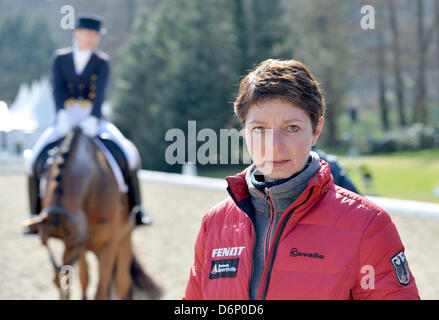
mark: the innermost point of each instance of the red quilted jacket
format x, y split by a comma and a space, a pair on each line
329, 244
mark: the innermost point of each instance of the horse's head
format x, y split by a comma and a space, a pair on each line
67, 183
58, 222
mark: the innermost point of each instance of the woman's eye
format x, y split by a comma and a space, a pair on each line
293, 128
258, 130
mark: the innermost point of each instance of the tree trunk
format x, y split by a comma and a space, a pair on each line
420, 111
399, 86
437, 40
335, 74
384, 106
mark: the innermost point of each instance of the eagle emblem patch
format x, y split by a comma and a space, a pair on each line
399, 263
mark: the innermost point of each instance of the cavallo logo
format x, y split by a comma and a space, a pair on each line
296, 253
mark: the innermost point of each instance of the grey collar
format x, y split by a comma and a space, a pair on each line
285, 192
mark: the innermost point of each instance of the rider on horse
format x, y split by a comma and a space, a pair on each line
79, 80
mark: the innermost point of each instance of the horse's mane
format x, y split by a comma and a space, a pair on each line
65, 150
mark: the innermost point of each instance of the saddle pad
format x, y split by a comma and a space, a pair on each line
113, 165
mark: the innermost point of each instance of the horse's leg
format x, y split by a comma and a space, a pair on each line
123, 275
106, 257
83, 274
56, 282
65, 294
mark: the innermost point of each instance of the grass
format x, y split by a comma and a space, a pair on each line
402, 175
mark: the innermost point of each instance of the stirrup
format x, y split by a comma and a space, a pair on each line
140, 217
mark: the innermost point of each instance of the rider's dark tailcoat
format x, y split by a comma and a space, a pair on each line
89, 85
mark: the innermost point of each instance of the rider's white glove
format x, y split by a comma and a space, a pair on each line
89, 126
63, 122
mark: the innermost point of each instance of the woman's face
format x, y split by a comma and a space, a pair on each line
279, 137
86, 39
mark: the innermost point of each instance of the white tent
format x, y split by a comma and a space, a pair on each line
34, 104
22, 96
32, 111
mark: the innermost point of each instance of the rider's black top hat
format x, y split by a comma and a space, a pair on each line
89, 21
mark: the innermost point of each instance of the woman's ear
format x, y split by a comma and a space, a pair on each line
318, 131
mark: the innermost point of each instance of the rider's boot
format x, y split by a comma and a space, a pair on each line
135, 200
34, 201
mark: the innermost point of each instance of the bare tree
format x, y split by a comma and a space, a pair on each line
399, 85
424, 37
419, 113
437, 36
382, 87
330, 24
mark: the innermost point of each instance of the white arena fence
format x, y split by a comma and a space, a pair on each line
407, 208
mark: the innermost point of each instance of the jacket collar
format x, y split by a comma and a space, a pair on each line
321, 182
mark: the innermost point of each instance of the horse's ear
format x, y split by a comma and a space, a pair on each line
34, 222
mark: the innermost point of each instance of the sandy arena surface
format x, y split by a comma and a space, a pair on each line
166, 248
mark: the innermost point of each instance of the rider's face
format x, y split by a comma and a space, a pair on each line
86, 39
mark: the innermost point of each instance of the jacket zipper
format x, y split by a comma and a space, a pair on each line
269, 202
273, 254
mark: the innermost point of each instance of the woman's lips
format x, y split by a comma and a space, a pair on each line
277, 164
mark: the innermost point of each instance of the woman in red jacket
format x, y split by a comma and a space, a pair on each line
286, 231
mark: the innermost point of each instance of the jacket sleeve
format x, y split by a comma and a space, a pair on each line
101, 86
194, 289
383, 271
59, 86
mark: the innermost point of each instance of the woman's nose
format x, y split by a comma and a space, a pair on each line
276, 138
273, 142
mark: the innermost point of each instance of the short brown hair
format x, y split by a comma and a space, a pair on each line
289, 80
